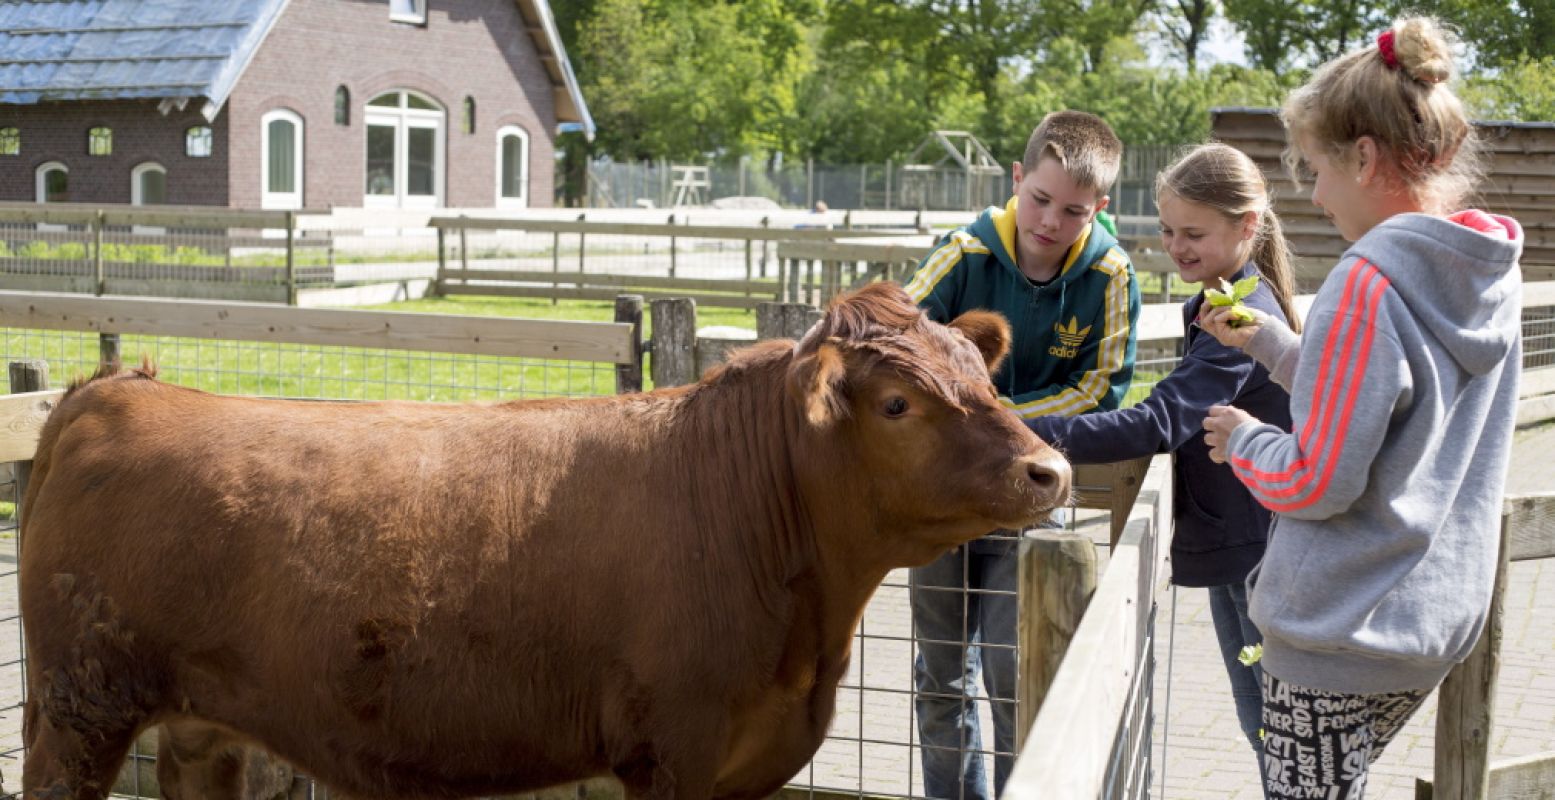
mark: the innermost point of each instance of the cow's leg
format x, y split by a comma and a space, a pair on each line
71, 762
196, 760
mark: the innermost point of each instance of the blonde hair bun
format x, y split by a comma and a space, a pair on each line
1423, 49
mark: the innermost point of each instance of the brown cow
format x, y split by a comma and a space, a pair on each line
419, 600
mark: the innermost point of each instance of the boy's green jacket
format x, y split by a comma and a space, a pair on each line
1073, 339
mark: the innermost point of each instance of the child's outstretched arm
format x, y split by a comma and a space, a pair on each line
1272, 343
1351, 378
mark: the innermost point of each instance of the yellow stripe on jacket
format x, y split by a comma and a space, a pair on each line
941, 262
1095, 383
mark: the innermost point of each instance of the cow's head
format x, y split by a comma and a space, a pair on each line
907, 407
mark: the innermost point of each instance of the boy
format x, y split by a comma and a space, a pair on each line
1052, 268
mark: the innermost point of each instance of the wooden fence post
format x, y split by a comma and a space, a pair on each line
674, 341
98, 267
581, 247
672, 248
291, 258
766, 222
31, 375
769, 321
556, 265
1057, 579
629, 377
1465, 702
108, 349
442, 262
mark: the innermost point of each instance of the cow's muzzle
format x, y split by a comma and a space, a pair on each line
1047, 475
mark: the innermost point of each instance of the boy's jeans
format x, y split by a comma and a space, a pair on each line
945, 673
1228, 609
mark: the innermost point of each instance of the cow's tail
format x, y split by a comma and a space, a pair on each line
64, 411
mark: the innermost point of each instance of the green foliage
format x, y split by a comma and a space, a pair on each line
1521, 91
850, 81
1500, 32
681, 79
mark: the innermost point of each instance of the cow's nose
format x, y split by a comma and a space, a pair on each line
1050, 475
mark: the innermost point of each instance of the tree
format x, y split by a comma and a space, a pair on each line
960, 46
684, 79
1500, 31
1187, 23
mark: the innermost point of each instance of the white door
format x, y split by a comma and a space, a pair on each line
404, 152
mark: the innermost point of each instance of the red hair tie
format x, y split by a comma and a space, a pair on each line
1385, 46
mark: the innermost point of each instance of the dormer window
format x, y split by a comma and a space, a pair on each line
408, 11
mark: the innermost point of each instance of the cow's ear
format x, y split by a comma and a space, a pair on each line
816, 380
989, 331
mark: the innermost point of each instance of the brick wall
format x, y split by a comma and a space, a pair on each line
58, 132
476, 48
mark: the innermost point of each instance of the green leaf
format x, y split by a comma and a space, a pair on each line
1244, 287
1250, 654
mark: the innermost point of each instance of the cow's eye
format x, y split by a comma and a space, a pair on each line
896, 406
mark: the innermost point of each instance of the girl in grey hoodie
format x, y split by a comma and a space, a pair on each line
1387, 491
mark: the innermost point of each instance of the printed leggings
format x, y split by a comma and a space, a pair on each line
1319, 744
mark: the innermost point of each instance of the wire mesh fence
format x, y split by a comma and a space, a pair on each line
882, 185
273, 369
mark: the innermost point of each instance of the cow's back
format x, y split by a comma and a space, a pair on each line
240, 549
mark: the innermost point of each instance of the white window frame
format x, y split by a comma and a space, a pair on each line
39, 177
280, 200
209, 138
136, 198
402, 118
417, 13
522, 201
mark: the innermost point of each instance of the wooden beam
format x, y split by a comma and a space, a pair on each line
608, 342
1530, 526
661, 229
609, 279
1092, 689
603, 294
21, 419
1528, 778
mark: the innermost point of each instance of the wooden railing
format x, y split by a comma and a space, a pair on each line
458, 273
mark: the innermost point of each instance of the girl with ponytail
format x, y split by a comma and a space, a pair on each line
1216, 224
1379, 570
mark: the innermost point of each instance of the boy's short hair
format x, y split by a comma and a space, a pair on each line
1084, 145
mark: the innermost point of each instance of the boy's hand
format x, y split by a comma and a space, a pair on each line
1232, 326
1222, 420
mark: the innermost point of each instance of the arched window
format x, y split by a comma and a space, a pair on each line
148, 184
342, 105
469, 114
280, 152
405, 146
512, 167
99, 141
10, 142
197, 141
53, 183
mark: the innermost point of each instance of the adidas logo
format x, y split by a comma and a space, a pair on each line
1069, 336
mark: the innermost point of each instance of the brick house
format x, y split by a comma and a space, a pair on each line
284, 103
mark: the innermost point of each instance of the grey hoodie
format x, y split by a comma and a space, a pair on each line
1378, 573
